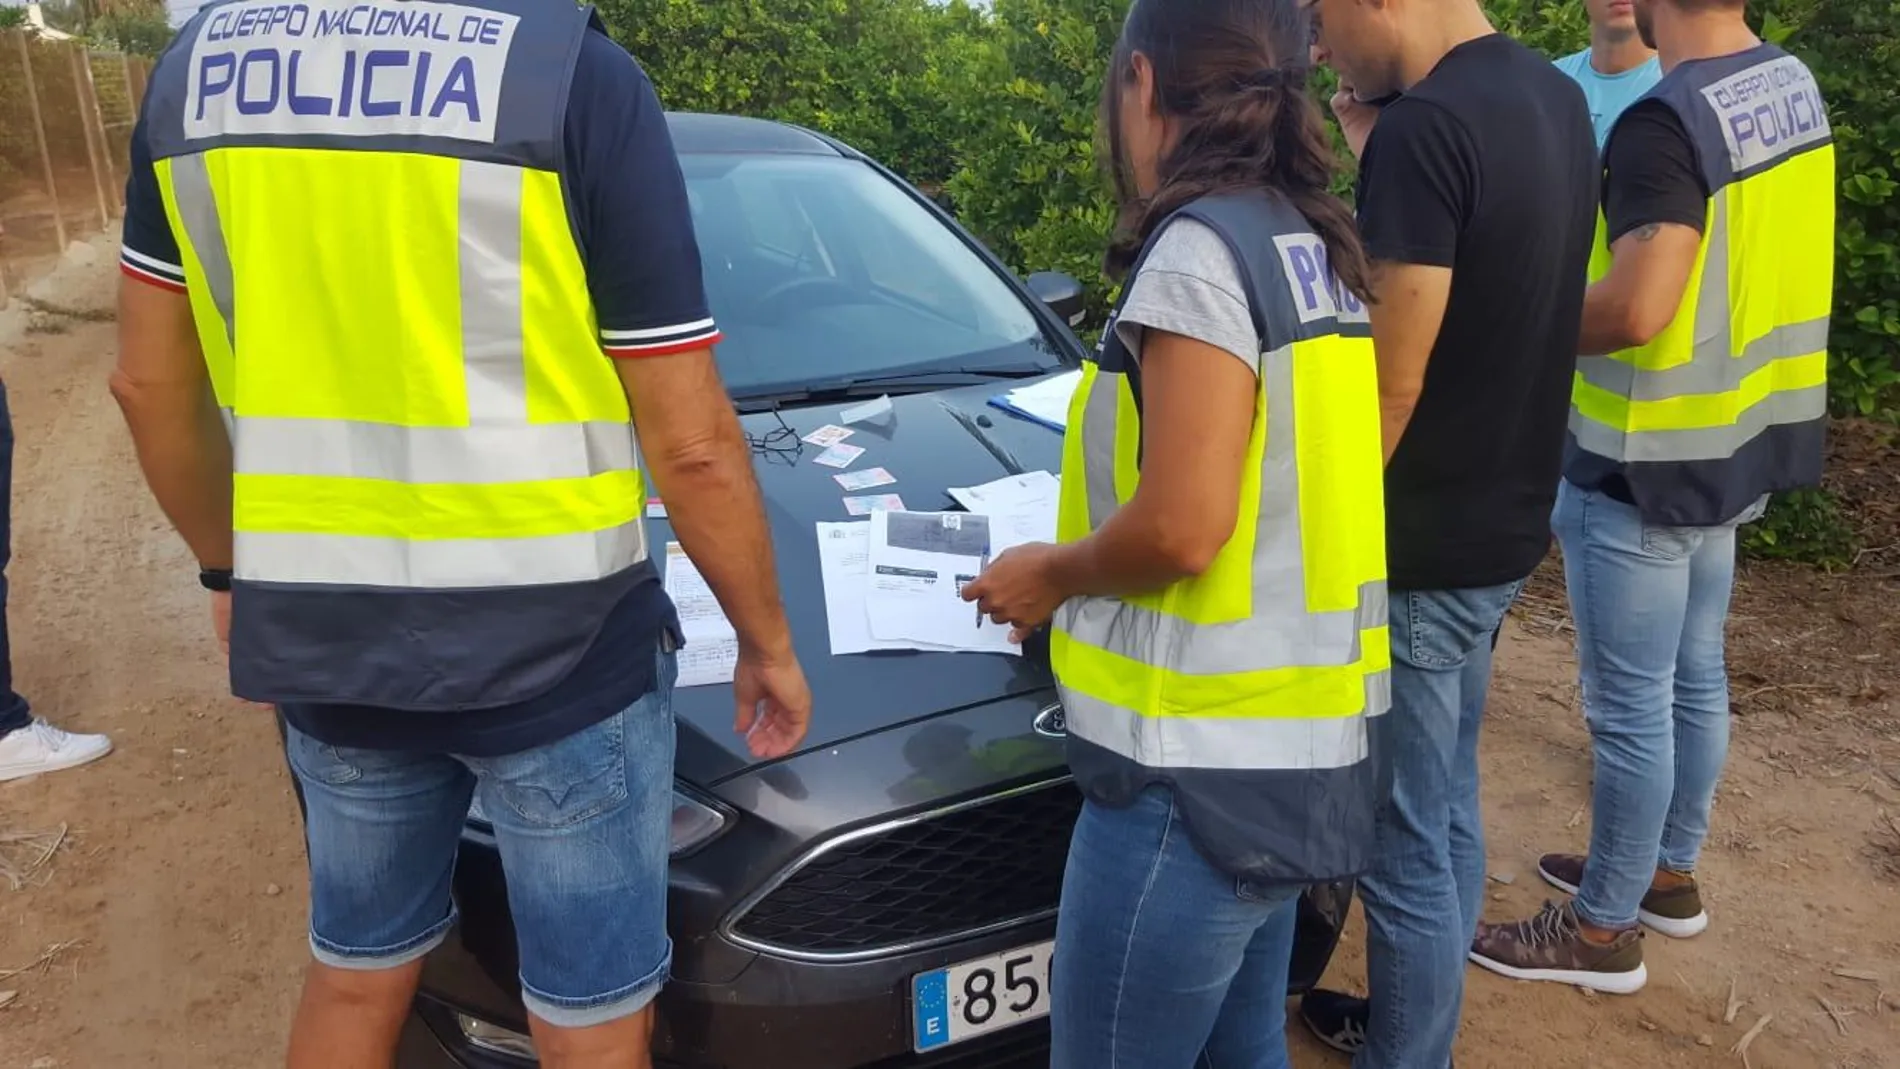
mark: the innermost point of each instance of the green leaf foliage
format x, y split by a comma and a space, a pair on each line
994, 111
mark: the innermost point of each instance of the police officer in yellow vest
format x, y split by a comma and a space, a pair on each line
1703, 389
1218, 593
402, 281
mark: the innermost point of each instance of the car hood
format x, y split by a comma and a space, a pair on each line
928, 442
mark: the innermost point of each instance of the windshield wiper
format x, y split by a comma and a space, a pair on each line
866, 386
930, 376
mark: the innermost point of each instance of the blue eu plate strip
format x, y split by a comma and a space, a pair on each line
930, 992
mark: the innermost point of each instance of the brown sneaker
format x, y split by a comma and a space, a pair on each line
1676, 912
1550, 946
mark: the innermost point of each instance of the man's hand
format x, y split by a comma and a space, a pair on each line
702, 467
1356, 117
221, 619
1019, 588
773, 703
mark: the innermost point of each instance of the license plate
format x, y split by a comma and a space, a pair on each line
980, 996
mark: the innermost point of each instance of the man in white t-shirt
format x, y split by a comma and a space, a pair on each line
1617, 68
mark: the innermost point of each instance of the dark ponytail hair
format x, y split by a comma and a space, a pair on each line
1232, 76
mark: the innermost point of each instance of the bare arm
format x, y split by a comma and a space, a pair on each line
701, 465
1407, 311
164, 390
1197, 416
1639, 298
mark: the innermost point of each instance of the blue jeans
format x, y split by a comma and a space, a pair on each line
584, 829
1163, 961
14, 713
1649, 603
1424, 892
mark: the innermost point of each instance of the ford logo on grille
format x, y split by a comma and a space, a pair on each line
1051, 721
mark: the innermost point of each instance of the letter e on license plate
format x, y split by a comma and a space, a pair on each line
980, 996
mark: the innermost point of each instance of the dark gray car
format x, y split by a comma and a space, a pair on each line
816, 899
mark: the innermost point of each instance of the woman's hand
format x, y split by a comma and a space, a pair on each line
1019, 588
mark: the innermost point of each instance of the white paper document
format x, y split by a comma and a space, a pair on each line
1047, 400
844, 562
1016, 493
919, 562
1022, 508
712, 646
867, 412
1011, 529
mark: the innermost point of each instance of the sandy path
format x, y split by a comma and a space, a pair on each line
182, 880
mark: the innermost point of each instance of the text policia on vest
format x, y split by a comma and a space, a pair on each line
288, 69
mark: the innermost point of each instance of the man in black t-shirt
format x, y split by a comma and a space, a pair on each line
1476, 201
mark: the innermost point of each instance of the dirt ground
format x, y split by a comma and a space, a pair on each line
166, 931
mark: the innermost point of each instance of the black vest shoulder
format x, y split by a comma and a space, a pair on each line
1292, 291
484, 80
1745, 112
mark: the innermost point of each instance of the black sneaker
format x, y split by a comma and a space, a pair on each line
1336, 1019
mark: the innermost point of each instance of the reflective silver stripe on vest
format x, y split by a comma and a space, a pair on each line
1280, 633
1714, 367
1266, 743
490, 225
1099, 412
438, 564
1268, 639
483, 453
1701, 443
1711, 370
198, 211
499, 445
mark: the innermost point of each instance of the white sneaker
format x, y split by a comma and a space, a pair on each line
41, 747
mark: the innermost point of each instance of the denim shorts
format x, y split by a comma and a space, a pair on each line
584, 830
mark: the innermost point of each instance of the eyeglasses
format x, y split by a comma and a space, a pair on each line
782, 443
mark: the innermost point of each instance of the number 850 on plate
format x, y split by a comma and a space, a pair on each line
980, 996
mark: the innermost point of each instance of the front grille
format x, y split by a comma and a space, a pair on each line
1022, 1047
925, 881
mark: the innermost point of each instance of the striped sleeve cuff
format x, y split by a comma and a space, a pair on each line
151, 269
659, 341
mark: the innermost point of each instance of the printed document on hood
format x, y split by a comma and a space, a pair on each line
844, 562
711, 653
919, 563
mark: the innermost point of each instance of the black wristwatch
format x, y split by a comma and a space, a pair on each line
217, 579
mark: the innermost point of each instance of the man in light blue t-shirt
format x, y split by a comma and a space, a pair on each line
1617, 68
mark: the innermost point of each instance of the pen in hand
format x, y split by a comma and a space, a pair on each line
982, 563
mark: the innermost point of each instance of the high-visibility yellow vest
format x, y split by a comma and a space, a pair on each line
1247, 688
438, 492
1729, 402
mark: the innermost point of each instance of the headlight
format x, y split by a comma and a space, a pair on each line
696, 822
494, 1038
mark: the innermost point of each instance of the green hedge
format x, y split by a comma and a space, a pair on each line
997, 110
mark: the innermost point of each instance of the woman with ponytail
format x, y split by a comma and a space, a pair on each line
1217, 593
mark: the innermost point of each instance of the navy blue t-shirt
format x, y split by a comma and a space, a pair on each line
631, 216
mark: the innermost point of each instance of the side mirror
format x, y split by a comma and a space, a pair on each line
1061, 292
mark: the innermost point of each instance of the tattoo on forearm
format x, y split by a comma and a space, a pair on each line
1647, 231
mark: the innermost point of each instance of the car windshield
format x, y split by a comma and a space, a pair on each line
820, 270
